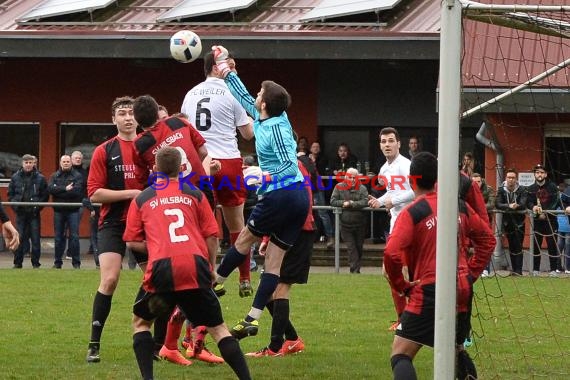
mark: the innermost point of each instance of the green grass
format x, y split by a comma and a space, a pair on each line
521, 329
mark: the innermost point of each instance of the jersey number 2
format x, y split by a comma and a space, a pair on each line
203, 115
179, 223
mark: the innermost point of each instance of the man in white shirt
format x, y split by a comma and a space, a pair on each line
216, 114
394, 176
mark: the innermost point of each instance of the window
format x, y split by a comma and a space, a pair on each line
84, 137
17, 140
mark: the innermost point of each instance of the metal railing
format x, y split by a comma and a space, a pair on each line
337, 211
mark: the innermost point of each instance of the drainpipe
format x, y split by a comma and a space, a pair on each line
498, 256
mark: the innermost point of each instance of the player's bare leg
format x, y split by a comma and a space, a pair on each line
233, 216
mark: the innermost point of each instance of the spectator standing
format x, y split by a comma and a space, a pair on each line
512, 197
317, 156
344, 159
352, 196
563, 241
414, 146
321, 165
217, 116
66, 185
303, 146
543, 195
489, 198
28, 185
468, 164
77, 164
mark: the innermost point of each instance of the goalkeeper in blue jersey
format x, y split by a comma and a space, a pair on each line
283, 204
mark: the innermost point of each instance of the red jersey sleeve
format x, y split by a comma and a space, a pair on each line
474, 198
142, 169
97, 178
482, 241
395, 251
134, 230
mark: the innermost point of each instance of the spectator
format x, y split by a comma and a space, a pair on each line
28, 185
414, 146
77, 164
563, 240
468, 164
513, 197
319, 199
352, 197
543, 195
344, 159
489, 198
66, 185
303, 146
317, 156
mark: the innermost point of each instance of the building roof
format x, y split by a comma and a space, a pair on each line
499, 58
370, 35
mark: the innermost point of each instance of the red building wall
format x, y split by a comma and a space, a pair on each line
51, 91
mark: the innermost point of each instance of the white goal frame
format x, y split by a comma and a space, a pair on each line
449, 117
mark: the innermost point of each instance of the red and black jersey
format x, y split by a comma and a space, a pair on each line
174, 132
174, 223
470, 192
413, 243
112, 167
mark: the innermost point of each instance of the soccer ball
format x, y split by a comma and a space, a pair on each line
185, 46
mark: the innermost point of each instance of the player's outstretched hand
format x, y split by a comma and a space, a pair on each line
11, 236
221, 58
220, 53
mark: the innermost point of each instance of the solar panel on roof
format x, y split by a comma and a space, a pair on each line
51, 8
193, 8
337, 8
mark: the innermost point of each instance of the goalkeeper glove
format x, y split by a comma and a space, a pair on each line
221, 58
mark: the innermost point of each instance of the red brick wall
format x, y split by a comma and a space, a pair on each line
50, 91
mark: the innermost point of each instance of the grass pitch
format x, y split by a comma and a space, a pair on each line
342, 318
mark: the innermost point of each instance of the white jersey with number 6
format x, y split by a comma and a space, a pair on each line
216, 114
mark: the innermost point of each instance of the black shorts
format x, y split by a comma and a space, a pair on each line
200, 306
419, 328
297, 261
110, 239
280, 214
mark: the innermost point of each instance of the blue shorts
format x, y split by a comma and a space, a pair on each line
280, 214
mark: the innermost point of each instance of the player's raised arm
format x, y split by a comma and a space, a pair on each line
236, 86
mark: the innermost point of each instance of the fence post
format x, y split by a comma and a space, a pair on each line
337, 211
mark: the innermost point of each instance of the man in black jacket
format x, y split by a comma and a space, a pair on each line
28, 185
543, 197
512, 198
66, 185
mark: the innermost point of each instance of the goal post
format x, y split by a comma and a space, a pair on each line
542, 30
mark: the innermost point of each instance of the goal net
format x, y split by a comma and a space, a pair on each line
515, 79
